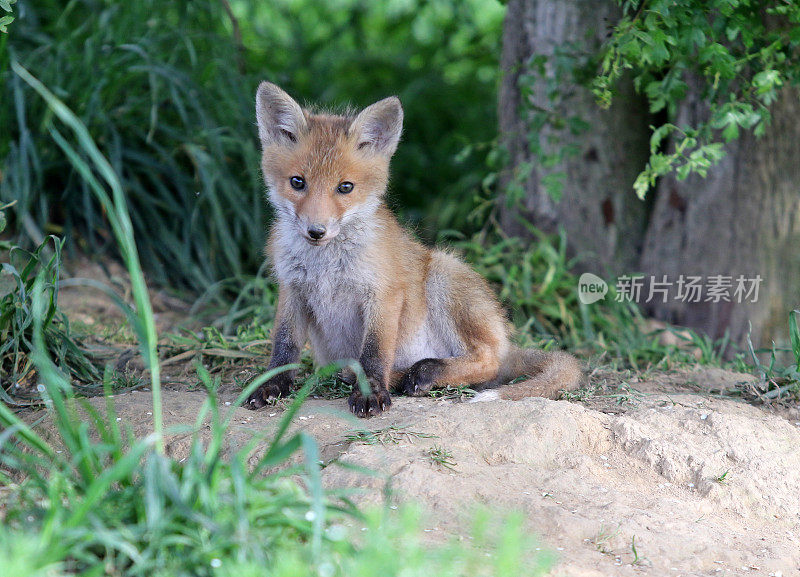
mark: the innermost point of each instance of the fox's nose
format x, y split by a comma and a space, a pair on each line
316, 231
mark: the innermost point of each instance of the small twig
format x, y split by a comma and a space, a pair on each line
778, 391
178, 358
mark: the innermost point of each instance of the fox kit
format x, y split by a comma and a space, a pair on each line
358, 286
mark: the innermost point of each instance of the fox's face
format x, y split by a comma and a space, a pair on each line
324, 172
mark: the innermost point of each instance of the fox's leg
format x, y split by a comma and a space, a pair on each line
462, 306
377, 356
288, 337
479, 365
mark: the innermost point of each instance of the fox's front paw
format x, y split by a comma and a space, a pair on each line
267, 392
371, 405
420, 378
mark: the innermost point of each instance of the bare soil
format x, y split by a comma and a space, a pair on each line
697, 485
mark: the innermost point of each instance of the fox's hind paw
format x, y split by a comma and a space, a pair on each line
367, 406
420, 378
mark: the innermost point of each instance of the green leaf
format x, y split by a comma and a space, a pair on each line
698, 37
4, 22
658, 135
553, 184
642, 184
730, 132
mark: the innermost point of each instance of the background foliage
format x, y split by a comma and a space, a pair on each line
734, 56
166, 90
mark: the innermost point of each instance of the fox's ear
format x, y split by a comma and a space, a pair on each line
279, 117
379, 126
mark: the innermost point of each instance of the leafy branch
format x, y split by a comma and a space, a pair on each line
7, 19
734, 55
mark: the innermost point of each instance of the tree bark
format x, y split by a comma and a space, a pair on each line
603, 219
742, 219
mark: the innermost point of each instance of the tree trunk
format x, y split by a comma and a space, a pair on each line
743, 219
602, 217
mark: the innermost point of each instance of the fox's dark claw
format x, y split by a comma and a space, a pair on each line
265, 393
371, 405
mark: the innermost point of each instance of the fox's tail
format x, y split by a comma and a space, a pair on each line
548, 372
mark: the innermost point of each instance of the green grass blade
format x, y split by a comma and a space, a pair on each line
794, 335
311, 451
123, 230
9, 420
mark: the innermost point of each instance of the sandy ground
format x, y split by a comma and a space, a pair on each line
699, 484
705, 486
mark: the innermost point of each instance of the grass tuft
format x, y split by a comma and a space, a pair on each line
19, 377
442, 457
390, 435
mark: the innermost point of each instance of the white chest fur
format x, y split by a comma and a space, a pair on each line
333, 285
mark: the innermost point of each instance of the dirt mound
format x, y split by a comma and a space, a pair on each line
667, 483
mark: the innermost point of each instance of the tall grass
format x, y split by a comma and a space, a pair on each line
166, 91
116, 210
154, 85
17, 370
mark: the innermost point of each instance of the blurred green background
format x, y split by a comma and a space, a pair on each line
167, 91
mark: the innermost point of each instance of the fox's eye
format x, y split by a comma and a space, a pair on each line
345, 187
297, 182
